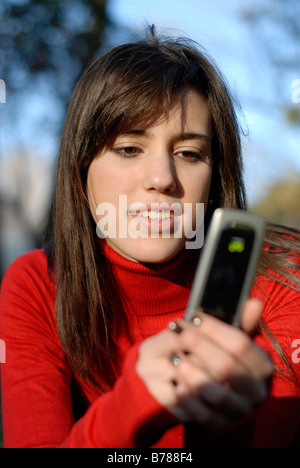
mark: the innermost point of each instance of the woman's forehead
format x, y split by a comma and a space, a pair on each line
151, 111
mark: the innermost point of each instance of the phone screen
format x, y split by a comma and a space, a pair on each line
227, 273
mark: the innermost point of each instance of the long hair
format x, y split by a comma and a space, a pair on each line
130, 84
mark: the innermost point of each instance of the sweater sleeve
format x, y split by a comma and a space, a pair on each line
36, 379
278, 424
126, 417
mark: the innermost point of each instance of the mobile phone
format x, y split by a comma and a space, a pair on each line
227, 265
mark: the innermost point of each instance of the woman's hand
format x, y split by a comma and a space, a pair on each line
208, 372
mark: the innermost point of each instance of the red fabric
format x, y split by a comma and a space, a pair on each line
37, 381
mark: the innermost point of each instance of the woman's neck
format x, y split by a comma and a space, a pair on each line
152, 289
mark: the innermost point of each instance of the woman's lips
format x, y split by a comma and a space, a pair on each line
156, 217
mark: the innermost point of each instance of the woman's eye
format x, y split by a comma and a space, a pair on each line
128, 151
191, 156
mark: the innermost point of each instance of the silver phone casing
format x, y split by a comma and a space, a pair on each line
223, 218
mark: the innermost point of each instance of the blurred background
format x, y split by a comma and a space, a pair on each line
45, 45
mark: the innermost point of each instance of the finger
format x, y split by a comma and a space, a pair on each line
232, 341
161, 345
209, 365
251, 315
190, 407
207, 355
207, 401
243, 386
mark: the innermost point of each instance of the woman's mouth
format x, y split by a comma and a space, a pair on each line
160, 215
156, 218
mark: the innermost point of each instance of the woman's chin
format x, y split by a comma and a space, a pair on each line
149, 250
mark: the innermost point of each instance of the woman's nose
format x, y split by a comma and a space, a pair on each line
160, 175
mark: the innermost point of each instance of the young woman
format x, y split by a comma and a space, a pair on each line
97, 353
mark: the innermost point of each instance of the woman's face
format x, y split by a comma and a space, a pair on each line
145, 186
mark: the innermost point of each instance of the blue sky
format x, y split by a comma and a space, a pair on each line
272, 147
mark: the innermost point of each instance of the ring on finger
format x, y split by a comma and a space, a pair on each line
175, 359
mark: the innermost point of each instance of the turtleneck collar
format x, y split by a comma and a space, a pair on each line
152, 289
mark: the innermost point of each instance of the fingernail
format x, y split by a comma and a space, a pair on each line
175, 327
175, 359
197, 321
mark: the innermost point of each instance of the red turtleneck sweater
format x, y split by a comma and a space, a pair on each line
38, 402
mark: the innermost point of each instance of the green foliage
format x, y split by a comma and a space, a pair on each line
50, 39
274, 26
281, 205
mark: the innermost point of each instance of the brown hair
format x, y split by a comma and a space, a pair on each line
130, 83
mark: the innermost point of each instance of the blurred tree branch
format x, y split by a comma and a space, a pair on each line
274, 26
49, 39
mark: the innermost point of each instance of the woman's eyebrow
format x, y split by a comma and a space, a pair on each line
183, 136
191, 136
136, 132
